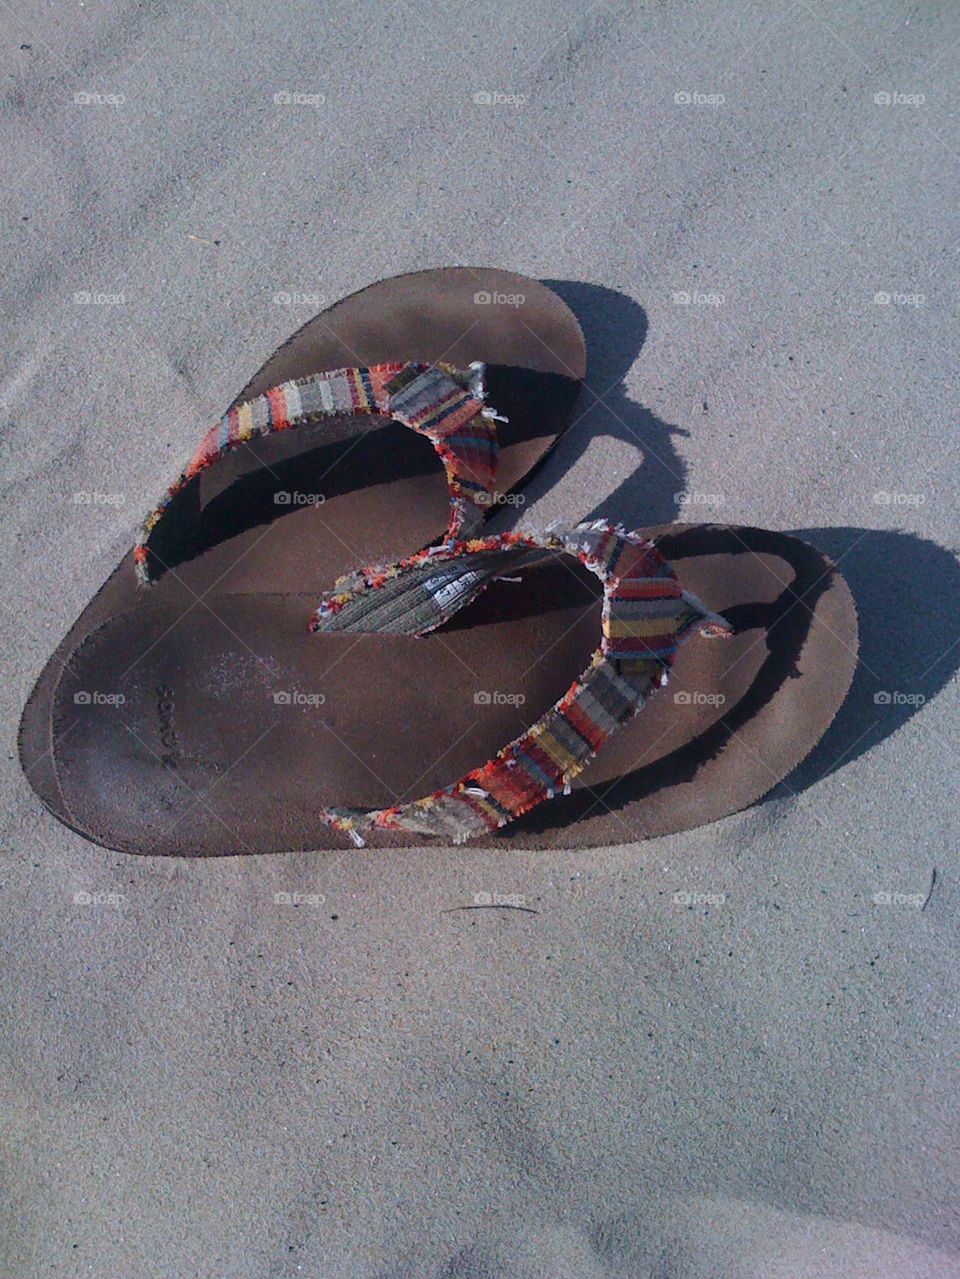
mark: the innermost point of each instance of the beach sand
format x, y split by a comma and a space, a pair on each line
200, 1078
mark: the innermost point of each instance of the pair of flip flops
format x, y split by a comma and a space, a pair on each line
238, 684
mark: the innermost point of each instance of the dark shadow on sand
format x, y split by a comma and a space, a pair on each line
615, 328
907, 592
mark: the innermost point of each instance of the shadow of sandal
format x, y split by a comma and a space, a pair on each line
615, 328
907, 654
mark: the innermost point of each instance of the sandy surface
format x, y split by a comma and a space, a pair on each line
198, 1081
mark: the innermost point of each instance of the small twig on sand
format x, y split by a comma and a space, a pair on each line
491, 906
933, 880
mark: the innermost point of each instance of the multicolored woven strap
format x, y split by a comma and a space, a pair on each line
645, 617
443, 403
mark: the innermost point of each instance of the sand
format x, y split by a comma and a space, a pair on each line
197, 1079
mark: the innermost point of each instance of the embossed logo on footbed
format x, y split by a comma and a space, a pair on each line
168, 737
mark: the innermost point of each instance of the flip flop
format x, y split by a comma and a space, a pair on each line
345, 487
384, 721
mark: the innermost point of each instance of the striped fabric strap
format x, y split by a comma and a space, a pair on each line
443, 403
645, 617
